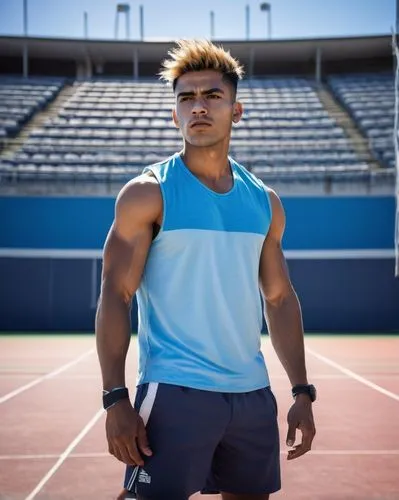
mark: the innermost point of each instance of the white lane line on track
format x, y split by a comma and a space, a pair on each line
107, 455
352, 374
49, 375
65, 377
65, 454
348, 452
315, 376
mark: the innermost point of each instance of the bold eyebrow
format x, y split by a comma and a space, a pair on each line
205, 92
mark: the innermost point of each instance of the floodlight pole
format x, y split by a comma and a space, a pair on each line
85, 25
247, 21
25, 54
270, 22
25, 17
397, 17
141, 22
122, 9
212, 20
127, 19
266, 7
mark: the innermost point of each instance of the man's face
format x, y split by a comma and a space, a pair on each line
205, 108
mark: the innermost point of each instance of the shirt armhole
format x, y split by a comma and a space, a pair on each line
155, 173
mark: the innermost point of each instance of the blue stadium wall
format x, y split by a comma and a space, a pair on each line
339, 252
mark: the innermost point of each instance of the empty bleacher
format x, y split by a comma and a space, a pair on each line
20, 99
370, 100
109, 130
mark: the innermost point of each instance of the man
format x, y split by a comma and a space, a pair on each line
196, 236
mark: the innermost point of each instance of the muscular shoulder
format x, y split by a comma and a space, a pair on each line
141, 193
139, 202
278, 216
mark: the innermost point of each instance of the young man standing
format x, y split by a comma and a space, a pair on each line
196, 236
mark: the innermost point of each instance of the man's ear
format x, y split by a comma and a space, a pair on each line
175, 119
237, 112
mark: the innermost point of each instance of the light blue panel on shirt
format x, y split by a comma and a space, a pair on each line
238, 210
200, 311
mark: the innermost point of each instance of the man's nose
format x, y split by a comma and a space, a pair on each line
199, 107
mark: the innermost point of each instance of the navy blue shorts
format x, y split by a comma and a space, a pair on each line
206, 441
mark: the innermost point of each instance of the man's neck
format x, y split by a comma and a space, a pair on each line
210, 163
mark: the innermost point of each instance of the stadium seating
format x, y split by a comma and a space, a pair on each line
20, 99
370, 100
109, 130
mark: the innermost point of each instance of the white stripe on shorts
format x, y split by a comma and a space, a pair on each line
148, 401
145, 412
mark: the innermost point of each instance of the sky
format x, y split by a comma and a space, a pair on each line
172, 19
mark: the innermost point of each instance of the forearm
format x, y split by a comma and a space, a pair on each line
113, 331
284, 322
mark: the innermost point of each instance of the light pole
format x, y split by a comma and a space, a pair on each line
247, 21
397, 17
266, 7
85, 25
141, 22
123, 8
25, 53
212, 20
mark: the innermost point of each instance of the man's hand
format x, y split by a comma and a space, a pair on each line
126, 434
300, 416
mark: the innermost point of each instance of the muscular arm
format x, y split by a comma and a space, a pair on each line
283, 312
138, 208
284, 320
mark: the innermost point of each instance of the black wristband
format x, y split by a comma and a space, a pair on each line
112, 397
308, 389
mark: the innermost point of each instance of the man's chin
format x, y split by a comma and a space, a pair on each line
201, 142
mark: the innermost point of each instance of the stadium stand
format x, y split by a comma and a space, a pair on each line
20, 99
108, 130
369, 98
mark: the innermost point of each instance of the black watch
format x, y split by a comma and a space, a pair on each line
308, 389
110, 398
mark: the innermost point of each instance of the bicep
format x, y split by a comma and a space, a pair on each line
128, 241
273, 270
124, 260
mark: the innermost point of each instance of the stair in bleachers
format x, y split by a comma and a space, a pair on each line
344, 120
369, 99
20, 99
37, 121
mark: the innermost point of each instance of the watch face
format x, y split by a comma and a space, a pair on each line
312, 392
309, 389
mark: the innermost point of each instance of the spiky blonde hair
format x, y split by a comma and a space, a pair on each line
198, 55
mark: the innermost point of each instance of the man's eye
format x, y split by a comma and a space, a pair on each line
186, 98
213, 96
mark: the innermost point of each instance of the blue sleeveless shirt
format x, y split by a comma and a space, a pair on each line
200, 313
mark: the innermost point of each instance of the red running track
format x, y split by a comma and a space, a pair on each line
52, 439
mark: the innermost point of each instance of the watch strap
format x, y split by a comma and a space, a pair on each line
110, 398
304, 389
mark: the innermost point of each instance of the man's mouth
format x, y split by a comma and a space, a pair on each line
200, 123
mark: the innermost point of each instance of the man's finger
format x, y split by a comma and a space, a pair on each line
110, 448
116, 453
124, 454
307, 435
306, 444
296, 452
142, 440
133, 453
291, 434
